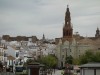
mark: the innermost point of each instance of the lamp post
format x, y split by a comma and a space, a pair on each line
76, 45
67, 69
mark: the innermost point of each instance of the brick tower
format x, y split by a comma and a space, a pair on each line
67, 29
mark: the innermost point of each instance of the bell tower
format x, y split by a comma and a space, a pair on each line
97, 32
67, 29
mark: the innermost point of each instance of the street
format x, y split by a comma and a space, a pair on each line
57, 72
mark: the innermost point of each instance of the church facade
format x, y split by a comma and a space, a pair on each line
73, 44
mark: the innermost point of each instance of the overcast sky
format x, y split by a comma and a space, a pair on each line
38, 17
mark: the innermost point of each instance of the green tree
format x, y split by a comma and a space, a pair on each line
96, 57
69, 59
49, 61
87, 57
76, 61
30, 61
83, 59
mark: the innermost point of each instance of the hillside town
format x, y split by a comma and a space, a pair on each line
17, 51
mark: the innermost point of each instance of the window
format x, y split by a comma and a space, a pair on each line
5, 55
79, 55
17, 54
70, 50
62, 56
79, 50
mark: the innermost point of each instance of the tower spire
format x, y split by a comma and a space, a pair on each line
97, 28
97, 32
67, 6
67, 29
43, 38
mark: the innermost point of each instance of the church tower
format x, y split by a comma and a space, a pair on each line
67, 29
97, 32
43, 38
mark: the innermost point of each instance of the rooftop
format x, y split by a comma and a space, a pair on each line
90, 65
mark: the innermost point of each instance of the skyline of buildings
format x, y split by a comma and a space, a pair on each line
35, 18
17, 50
74, 45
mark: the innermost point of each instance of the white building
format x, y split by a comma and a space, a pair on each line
90, 69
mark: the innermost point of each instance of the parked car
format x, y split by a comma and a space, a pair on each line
21, 70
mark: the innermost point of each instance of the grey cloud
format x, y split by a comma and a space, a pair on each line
35, 17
